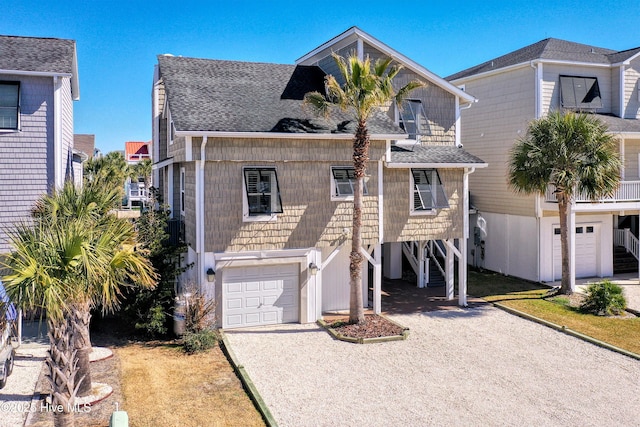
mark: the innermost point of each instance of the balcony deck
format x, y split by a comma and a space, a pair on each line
628, 191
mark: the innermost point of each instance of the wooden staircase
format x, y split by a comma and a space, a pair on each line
623, 261
436, 279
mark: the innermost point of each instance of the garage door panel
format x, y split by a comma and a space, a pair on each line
252, 286
234, 288
234, 303
586, 247
233, 321
271, 285
260, 295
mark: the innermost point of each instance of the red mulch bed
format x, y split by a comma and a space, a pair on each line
374, 326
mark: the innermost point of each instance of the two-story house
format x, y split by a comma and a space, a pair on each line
519, 235
38, 84
264, 186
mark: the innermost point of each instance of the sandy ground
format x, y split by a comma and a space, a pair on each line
477, 366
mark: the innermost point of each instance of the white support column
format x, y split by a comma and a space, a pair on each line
449, 270
571, 225
462, 274
421, 265
377, 279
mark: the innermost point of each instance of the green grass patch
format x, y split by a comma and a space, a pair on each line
535, 299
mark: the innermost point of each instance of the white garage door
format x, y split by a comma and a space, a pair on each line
254, 296
586, 251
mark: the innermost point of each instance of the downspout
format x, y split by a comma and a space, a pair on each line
200, 235
621, 90
58, 177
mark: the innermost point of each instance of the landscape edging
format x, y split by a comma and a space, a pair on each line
247, 383
335, 334
567, 331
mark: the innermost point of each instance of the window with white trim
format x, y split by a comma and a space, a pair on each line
412, 118
343, 183
427, 191
262, 193
581, 93
9, 105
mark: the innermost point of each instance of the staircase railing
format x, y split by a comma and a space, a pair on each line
626, 239
431, 253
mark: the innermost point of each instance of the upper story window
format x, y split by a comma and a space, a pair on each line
412, 118
581, 93
427, 191
262, 193
343, 183
9, 105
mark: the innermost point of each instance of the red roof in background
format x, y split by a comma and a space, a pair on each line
136, 150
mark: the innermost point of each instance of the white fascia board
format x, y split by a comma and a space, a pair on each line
435, 165
36, 73
355, 33
165, 162
528, 64
276, 135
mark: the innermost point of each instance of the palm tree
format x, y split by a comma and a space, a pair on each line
367, 87
41, 265
110, 259
90, 253
574, 154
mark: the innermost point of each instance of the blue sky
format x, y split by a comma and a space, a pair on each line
117, 41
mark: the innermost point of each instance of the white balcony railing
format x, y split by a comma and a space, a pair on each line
628, 191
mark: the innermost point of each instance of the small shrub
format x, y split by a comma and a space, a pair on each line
604, 298
195, 342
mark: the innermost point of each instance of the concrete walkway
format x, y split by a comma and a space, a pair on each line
474, 366
16, 396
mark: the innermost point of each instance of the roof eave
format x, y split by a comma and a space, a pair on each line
354, 33
405, 165
287, 135
462, 80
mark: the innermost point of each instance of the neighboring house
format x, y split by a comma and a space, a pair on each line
85, 143
38, 84
263, 186
137, 190
519, 235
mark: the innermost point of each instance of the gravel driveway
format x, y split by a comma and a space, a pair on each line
476, 366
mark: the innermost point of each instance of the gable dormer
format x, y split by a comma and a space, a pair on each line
431, 116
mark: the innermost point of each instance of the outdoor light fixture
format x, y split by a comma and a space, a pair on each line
313, 268
211, 275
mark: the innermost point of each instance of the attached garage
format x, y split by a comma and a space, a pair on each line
260, 295
587, 237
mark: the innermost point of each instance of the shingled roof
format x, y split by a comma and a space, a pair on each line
46, 55
550, 49
433, 155
233, 96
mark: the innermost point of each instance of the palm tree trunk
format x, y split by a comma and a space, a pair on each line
80, 318
360, 159
61, 371
563, 203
